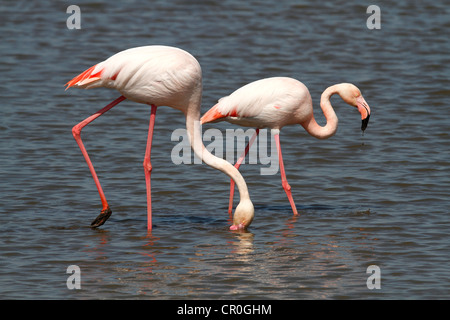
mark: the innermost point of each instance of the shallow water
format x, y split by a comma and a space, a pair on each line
378, 199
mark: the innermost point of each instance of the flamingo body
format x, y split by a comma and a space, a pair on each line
266, 103
160, 75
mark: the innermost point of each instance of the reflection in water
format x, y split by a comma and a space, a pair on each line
98, 249
289, 232
149, 250
297, 258
244, 244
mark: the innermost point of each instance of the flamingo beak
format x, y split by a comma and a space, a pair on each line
364, 109
365, 122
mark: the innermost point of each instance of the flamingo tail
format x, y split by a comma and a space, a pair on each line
212, 115
85, 78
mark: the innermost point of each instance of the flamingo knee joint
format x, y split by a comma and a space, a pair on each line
76, 131
147, 166
286, 186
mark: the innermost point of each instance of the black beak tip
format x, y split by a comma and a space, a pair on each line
364, 123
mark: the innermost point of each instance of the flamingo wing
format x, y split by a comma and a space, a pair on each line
148, 74
261, 101
246, 102
104, 74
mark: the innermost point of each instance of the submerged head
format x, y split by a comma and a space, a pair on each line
352, 95
243, 215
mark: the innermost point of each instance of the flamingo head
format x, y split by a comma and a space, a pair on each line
352, 95
243, 215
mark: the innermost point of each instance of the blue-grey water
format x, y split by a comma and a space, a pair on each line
379, 199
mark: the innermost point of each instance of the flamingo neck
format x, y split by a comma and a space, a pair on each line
324, 132
193, 127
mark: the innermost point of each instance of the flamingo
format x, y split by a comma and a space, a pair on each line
279, 101
157, 76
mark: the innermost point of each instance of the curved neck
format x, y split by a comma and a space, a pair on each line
193, 127
316, 130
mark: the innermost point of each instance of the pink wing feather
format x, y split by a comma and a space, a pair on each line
85, 78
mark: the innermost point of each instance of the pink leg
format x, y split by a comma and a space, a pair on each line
284, 182
76, 131
237, 165
148, 166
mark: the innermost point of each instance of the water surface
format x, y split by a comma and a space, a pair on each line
378, 199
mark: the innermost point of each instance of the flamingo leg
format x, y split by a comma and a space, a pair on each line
148, 166
284, 181
237, 165
76, 131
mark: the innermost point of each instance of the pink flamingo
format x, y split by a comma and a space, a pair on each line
158, 76
276, 102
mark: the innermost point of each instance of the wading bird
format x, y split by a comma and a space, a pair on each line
157, 76
276, 102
